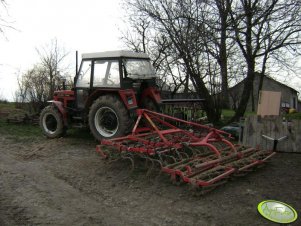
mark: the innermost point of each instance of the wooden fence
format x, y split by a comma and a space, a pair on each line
274, 127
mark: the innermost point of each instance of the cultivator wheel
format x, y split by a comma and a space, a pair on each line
199, 155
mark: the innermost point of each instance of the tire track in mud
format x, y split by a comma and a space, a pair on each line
136, 197
31, 195
52, 183
63, 182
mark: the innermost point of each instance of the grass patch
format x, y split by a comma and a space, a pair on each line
20, 131
29, 133
8, 106
16, 131
227, 114
293, 116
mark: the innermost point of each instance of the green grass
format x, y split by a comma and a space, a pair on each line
227, 113
16, 130
7, 106
29, 133
21, 132
293, 116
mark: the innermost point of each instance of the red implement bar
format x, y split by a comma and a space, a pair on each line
199, 155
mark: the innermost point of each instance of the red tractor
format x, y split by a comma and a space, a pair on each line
108, 88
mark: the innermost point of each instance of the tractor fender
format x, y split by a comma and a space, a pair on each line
59, 105
126, 95
128, 98
152, 93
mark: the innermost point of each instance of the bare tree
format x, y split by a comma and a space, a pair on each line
4, 23
216, 42
37, 84
143, 37
261, 28
52, 57
179, 22
34, 87
215, 15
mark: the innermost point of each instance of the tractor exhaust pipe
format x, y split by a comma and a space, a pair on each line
76, 62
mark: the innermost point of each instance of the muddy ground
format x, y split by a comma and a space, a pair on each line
64, 182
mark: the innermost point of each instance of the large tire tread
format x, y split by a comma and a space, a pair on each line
61, 130
125, 122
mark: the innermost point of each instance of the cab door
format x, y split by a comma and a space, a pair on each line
83, 84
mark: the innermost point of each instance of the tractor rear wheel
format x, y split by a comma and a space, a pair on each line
108, 118
51, 122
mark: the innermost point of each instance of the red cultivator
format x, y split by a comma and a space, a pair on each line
198, 154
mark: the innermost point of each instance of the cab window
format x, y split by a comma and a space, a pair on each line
84, 75
106, 73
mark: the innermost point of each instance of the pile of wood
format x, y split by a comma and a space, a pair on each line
23, 119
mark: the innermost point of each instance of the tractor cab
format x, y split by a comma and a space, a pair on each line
114, 71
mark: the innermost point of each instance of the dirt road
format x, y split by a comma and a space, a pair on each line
64, 182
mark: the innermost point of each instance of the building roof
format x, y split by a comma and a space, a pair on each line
265, 77
115, 54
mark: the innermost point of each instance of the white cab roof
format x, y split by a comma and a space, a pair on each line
115, 54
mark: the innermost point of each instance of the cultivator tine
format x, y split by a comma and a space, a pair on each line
160, 166
153, 169
168, 158
257, 159
147, 160
200, 156
127, 157
102, 152
205, 189
148, 173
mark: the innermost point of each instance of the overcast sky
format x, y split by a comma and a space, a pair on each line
86, 26
83, 25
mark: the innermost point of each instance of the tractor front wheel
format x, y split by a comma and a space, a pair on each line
108, 118
51, 122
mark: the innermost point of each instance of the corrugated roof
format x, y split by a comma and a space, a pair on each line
115, 54
266, 77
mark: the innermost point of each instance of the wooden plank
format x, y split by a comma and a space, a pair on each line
269, 103
274, 127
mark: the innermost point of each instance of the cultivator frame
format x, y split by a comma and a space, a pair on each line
195, 154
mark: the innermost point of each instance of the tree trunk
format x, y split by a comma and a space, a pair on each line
253, 99
262, 74
213, 114
248, 87
250, 60
223, 61
224, 75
